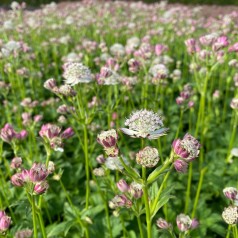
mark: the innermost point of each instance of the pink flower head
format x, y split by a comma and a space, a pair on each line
5, 222
50, 131
69, 132
7, 133
234, 48
187, 148
38, 172
41, 187
122, 185
220, 43
181, 166
17, 180
159, 49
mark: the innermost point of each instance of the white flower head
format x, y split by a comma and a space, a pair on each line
75, 73
144, 124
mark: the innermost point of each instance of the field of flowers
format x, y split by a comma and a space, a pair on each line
118, 119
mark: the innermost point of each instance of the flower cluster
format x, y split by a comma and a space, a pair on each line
184, 97
8, 134
130, 192
230, 214
144, 124
53, 136
187, 150
33, 179
184, 223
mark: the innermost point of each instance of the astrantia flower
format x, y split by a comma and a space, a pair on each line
114, 163
108, 140
136, 190
144, 124
187, 148
234, 103
107, 76
75, 73
230, 193
163, 224
230, 215
183, 222
148, 157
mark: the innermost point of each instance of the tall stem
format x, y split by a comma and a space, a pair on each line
146, 201
86, 165
33, 206
140, 227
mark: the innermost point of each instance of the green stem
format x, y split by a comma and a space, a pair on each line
140, 227
198, 191
228, 232
33, 206
233, 136
188, 188
86, 165
146, 201
42, 226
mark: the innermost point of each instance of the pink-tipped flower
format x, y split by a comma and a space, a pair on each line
69, 132
17, 180
183, 222
230, 193
220, 43
120, 201
195, 224
122, 186
22, 135
41, 187
163, 224
5, 223
38, 172
51, 85
192, 46
159, 49
234, 48
187, 148
134, 65
136, 190
8, 133
49, 131
16, 162
25, 175
2, 213
181, 166
100, 159
108, 140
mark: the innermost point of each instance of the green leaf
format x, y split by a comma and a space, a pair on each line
61, 229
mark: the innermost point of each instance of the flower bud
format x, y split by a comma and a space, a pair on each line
234, 103
17, 180
230, 193
136, 190
69, 132
16, 162
163, 224
51, 167
181, 166
100, 159
122, 186
99, 172
5, 222
41, 187
183, 222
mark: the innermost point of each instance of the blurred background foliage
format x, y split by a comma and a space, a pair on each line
213, 2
